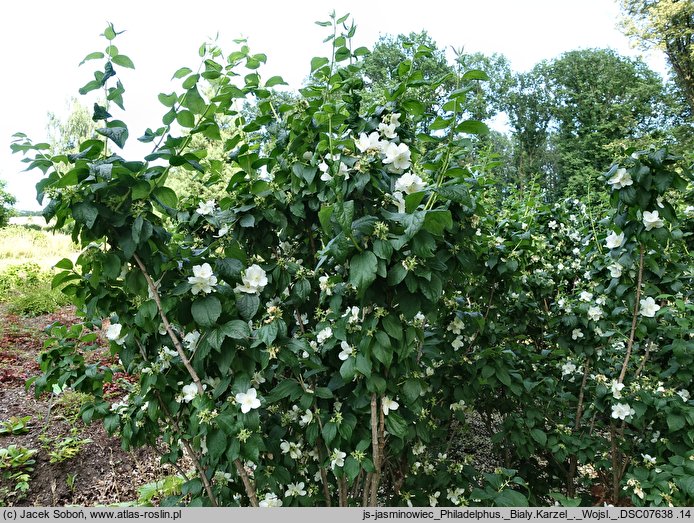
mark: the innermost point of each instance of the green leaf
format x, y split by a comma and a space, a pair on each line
216, 444
193, 101
472, 127
437, 221
362, 271
183, 71
116, 131
236, 329
675, 422
475, 74
414, 107
275, 80
92, 56
86, 213
206, 310
65, 263
329, 432
395, 425
168, 100
351, 468
247, 305
165, 196
510, 498
185, 118
123, 61
318, 62
539, 436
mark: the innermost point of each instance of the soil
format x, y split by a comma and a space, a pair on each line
101, 473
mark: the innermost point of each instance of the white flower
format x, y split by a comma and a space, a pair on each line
291, 448
388, 404
399, 201
622, 411
615, 270
387, 130
457, 343
576, 334
337, 459
586, 296
306, 419
455, 495
352, 314
191, 339
325, 286
324, 168
649, 307
434, 498
620, 179
689, 210
552, 224
203, 279
568, 368
113, 333
651, 220
456, 326
254, 280
347, 351
222, 231
372, 142
248, 400
594, 313
409, 183
207, 207
324, 335
270, 500
295, 489
189, 392
614, 240
647, 458
397, 155
616, 389
684, 394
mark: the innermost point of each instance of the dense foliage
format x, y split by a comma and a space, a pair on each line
324, 332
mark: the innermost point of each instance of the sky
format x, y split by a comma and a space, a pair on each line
42, 43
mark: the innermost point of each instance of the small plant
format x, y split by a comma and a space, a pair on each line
70, 480
63, 448
15, 425
167, 486
16, 464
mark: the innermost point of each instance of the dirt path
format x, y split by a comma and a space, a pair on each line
100, 472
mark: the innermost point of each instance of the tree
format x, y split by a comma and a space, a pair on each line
65, 135
667, 25
6, 203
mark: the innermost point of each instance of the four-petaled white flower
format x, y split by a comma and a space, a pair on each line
189, 392
388, 404
398, 156
651, 220
371, 142
616, 389
622, 411
191, 339
576, 334
649, 307
306, 419
324, 168
352, 314
347, 351
409, 183
324, 335
203, 279
621, 178
295, 489
568, 368
325, 285
594, 313
684, 394
615, 270
614, 240
248, 400
387, 130
207, 207
457, 343
337, 459
271, 500
586, 296
254, 280
113, 333
291, 448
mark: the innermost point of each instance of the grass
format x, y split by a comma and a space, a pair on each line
28, 243
27, 256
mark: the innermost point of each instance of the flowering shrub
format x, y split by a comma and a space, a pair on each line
322, 333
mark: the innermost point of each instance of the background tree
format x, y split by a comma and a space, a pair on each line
6, 203
667, 25
64, 135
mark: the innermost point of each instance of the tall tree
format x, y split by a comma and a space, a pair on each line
667, 25
6, 203
66, 134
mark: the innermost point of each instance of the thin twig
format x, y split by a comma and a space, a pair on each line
250, 489
634, 319
375, 447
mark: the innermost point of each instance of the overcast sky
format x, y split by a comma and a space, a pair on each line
42, 42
